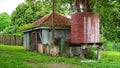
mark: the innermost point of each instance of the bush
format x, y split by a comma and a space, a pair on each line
10, 29
26, 26
91, 53
108, 46
116, 46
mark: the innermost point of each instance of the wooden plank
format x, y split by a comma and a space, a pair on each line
28, 40
81, 44
36, 41
18, 40
40, 48
70, 51
98, 53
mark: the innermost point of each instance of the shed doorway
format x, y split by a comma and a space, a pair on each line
33, 40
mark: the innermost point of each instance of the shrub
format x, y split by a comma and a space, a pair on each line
106, 44
91, 53
10, 29
26, 26
116, 46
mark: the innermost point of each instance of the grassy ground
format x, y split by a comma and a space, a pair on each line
17, 57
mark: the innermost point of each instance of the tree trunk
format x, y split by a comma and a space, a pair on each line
85, 5
76, 5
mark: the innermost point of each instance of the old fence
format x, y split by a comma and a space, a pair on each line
8, 39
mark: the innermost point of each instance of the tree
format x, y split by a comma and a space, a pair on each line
109, 10
110, 18
17, 16
30, 11
86, 6
4, 21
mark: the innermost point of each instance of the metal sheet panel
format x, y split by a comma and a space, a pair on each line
45, 36
85, 28
62, 34
26, 40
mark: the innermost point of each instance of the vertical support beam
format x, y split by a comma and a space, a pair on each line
53, 29
82, 51
99, 53
36, 38
71, 52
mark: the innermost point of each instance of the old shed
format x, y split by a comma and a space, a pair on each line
42, 33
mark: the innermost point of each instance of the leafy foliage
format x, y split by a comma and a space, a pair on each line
4, 21
26, 13
30, 11
26, 26
109, 12
116, 46
10, 29
18, 16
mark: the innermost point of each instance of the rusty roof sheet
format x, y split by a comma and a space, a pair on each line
59, 20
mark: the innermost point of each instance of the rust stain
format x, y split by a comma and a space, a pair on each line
59, 20
85, 28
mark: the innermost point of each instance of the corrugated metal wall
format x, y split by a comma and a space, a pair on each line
26, 40
85, 28
47, 35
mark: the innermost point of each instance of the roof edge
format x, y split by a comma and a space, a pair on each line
46, 28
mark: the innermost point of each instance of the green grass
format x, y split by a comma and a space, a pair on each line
18, 57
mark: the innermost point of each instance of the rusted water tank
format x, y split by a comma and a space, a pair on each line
85, 28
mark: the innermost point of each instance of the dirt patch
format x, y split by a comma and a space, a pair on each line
49, 65
58, 65
35, 64
30, 63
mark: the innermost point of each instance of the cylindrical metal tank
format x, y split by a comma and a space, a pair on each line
85, 28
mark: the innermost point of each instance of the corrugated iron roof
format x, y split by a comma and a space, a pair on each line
59, 20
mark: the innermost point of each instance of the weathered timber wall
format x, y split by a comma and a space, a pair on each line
11, 39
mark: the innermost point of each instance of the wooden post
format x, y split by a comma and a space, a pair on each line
53, 29
71, 52
40, 48
36, 41
82, 51
99, 53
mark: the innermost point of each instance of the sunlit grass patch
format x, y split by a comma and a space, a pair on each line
18, 57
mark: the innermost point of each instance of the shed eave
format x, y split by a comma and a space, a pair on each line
46, 28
